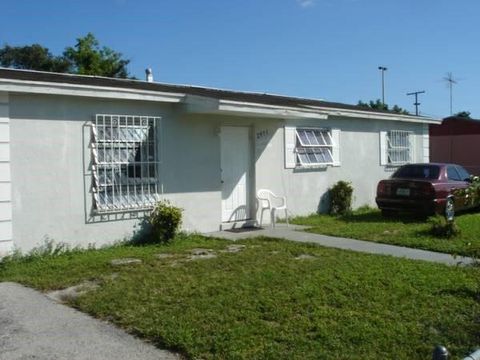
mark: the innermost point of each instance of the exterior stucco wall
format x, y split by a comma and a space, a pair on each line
50, 166
6, 235
51, 177
306, 189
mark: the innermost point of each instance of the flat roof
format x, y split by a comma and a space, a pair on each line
223, 94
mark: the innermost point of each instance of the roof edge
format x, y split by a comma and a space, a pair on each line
99, 86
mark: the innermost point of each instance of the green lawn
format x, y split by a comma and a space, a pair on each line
406, 231
264, 303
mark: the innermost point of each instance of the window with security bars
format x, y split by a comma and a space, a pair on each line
314, 146
399, 146
124, 162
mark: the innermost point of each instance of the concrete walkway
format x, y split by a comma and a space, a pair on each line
34, 327
295, 233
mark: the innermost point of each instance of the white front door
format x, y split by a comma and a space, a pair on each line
235, 165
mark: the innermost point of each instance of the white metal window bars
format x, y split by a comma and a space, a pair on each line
124, 162
314, 146
398, 146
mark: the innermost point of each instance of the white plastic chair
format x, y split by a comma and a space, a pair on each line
267, 200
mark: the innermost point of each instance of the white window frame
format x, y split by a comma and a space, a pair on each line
125, 162
293, 143
399, 142
302, 146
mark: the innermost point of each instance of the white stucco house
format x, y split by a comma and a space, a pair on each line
83, 158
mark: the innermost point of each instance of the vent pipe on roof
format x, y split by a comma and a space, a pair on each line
149, 75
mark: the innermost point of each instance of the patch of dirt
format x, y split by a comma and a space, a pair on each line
163, 256
234, 248
73, 292
125, 261
200, 254
305, 257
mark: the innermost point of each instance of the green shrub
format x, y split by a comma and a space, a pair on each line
472, 192
164, 222
440, 227
341, 198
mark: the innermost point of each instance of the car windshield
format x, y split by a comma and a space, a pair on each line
417, 172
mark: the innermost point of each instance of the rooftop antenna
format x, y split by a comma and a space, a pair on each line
416, 103
450, 81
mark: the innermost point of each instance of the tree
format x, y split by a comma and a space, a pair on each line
33, 57
397, 109
463, 114
379, 105
88, 58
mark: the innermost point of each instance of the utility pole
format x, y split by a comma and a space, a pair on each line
383, 69
416, 103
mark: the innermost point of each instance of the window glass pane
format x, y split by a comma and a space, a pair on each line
124, 162
418, 172
398, 142
115, 133
303, 158
129, 134
452, 174
138, 134
322, 138
314, 146
312, 158
312, 139
100, 133
107, 133
122, 133
317, 137
317, 156
303, 137
327, 155
464, 175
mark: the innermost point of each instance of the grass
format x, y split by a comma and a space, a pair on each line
368, 224
263, 303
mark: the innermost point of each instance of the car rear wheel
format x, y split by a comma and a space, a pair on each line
449, 209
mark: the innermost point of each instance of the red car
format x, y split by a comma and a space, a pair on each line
425, 189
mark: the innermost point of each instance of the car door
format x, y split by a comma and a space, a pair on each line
456, 184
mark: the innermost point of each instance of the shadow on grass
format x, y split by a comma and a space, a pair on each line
376, 216
428, 233
463, 292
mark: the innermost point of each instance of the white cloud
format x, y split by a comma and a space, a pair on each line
306, 3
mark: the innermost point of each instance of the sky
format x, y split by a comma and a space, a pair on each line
322, 49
